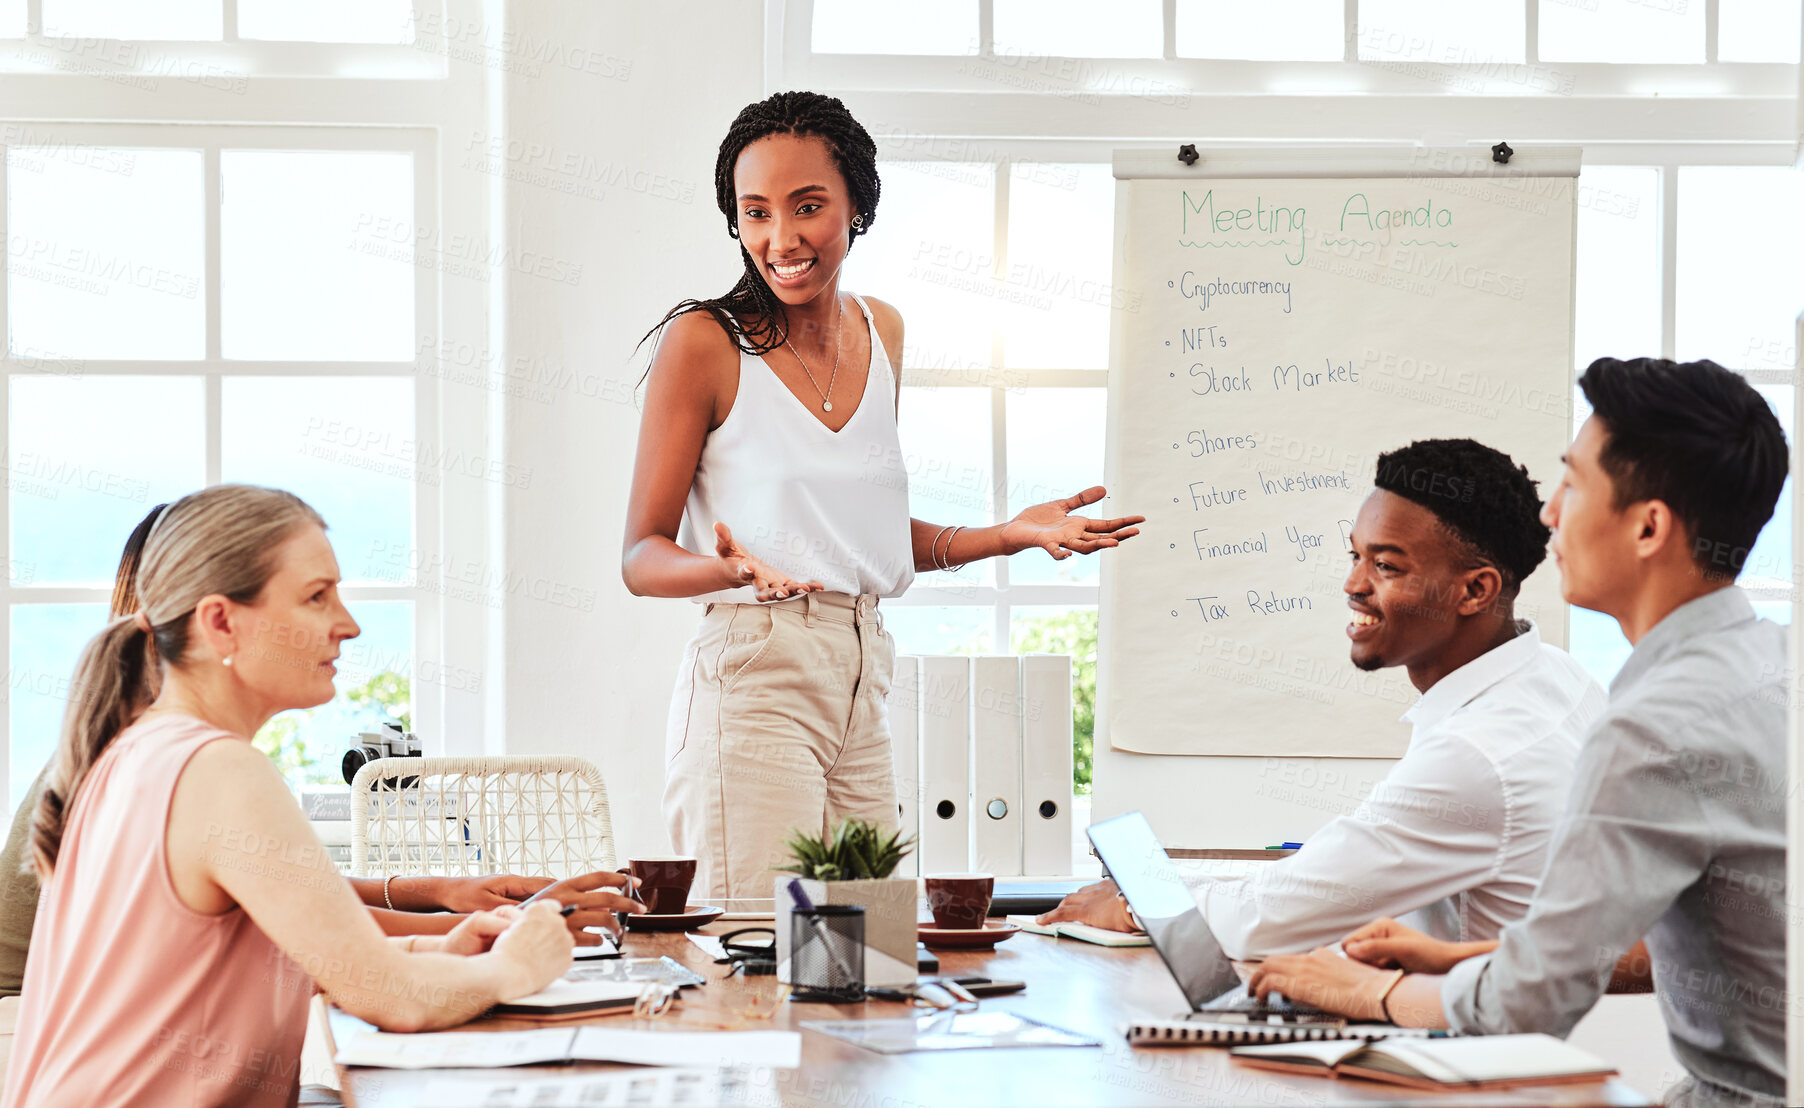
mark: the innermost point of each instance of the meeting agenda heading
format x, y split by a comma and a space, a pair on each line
1201, 218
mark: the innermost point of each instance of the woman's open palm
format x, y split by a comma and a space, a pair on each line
1053, 528
747, 570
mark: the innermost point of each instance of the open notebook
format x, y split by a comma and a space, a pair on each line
1098, 935
1470, 1062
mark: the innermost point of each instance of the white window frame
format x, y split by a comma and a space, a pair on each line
932, 108
418, 106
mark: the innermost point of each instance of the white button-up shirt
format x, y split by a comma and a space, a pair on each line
1457, 833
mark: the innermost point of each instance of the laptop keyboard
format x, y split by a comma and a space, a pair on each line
1237, 1000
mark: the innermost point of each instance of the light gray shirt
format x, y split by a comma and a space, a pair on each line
1674, 831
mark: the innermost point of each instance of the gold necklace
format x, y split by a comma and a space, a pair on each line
826, 403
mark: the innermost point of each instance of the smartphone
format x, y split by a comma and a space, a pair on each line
983, 986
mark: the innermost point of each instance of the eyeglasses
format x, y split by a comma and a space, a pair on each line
749, 950
654, 1000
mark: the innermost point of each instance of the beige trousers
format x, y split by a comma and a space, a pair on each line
779, 723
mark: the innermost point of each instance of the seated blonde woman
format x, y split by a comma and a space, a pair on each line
188, 911
421, 905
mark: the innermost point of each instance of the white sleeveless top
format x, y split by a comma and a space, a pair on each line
819, 505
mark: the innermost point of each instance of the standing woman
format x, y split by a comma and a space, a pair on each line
772, 410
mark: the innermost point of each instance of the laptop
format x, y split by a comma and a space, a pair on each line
1143, 872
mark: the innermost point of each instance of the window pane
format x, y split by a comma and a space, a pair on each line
316, 255
917, 27
1596, 641
12, 19
1274, 30
1472, 31
1618, 294
326, 20
47, 639
1779, 611
1757, 31
105, 252
1043, 629
1740, 288
167, 20
1079, 29
346, 446
375, 684
87, 458
946, 447
1621, 31
932, 253
1061, 249
923, 629
1055, 448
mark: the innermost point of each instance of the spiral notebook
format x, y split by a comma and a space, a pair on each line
1232, 1032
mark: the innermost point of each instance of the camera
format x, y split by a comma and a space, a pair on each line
389, 742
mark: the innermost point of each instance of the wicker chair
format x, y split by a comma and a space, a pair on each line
468, 816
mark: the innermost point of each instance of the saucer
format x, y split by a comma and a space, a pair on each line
991, 933
693, 916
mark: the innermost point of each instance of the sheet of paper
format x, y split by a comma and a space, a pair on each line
709, 944
462, 1049
965, 1031
780, 1049
1285, 333
672, 1087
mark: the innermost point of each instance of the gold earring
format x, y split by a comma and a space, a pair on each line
858, 221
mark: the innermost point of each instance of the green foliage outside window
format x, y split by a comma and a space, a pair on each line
1072, 633
306, 745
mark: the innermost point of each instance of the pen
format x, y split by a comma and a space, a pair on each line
804, 904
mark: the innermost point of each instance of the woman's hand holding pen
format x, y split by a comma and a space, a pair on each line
594, 898
1053, 528
743, 569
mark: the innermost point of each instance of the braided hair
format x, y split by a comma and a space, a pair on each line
750, 311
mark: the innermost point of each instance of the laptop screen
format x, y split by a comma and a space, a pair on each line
1158, 895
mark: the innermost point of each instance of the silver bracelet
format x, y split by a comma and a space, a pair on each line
385, 899
933, 548
947, 565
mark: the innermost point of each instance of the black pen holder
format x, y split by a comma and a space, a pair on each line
826, 963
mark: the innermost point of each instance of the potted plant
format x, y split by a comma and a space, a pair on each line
854, 864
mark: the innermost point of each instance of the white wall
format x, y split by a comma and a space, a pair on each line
615, 176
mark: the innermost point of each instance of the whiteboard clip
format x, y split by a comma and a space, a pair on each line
1187, 153
1501, 153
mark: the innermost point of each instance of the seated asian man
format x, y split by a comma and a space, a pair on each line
1675, 829
1457, 832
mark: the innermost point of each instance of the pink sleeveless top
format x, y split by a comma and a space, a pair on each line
131, 997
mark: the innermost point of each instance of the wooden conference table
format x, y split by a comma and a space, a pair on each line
1088, 989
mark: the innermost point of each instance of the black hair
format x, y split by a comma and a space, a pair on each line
1480, 495
1698, 437
750, 312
